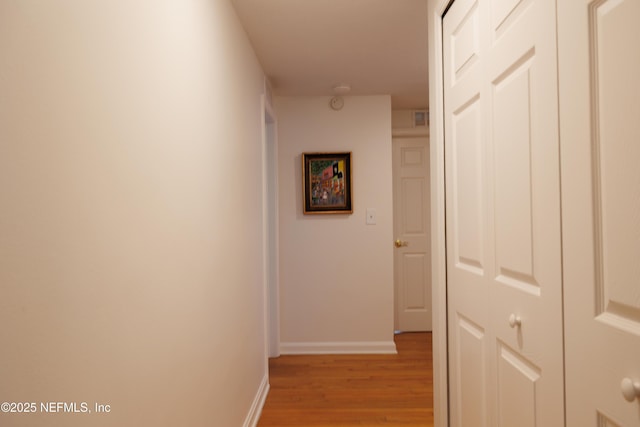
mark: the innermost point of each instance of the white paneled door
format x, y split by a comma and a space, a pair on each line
600, 139
412, 257
503, 237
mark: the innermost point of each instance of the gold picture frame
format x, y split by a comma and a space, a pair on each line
327, 183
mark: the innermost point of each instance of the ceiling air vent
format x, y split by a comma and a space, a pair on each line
420, 118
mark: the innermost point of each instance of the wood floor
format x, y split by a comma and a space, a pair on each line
353, 390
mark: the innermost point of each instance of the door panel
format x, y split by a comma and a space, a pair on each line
467, 188
464, 42
617, 152
414, 201
513, 183
413, 290
600, 130
603, 421
504, 13
471, 366
517, 394
503, 211
412, 261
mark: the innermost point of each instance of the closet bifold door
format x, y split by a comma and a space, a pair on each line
504, 278
599, 64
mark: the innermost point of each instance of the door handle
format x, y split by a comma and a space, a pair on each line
630, 389
515, 320
399, 243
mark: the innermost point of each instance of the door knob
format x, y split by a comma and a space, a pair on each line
630, 389
515, 321
399, 243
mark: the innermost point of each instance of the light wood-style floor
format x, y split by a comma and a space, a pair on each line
353, 390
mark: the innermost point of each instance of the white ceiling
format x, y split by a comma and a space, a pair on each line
307, 47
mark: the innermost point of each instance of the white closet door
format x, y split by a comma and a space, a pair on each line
503, 214
600, 140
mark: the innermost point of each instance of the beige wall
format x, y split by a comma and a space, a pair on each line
130, 212
336, 272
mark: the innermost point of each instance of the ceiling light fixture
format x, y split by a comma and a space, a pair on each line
342, 89
337, 102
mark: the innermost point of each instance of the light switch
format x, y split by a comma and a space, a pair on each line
371, 216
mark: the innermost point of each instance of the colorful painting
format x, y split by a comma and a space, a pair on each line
326, 180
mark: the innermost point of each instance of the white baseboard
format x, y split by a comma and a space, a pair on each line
258, 402
359, 347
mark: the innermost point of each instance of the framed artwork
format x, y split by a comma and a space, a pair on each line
326, 183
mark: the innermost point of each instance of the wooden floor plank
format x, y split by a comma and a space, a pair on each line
353, 390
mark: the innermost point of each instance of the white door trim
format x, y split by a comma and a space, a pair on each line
270, 228
409, 133
436, 9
